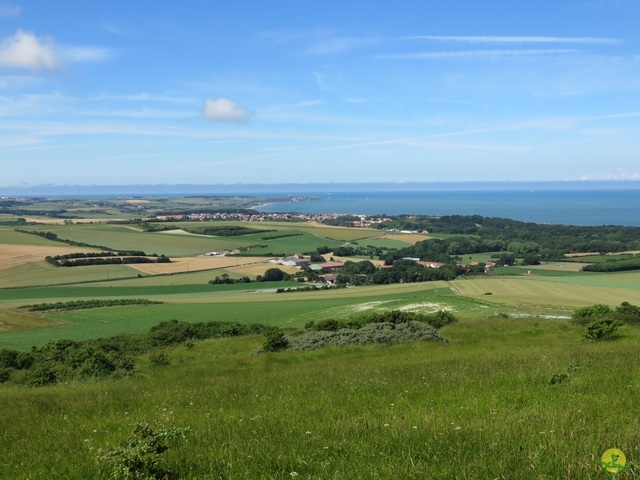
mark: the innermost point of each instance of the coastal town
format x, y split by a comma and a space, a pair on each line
357, 221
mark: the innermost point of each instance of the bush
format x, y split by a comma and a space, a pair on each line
585, 314
139, 457
5, 374
41, 375
159, 359
275, 341
601, 329
372, 333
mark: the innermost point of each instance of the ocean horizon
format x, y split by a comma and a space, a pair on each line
570, 207
558, 202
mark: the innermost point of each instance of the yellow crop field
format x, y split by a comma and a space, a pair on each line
559, 266
411, 238
192, 264
543, 292
14, 255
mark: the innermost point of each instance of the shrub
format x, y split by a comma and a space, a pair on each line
42, 374
627, 313
601, 329
159, 358
5, 374
585, 314
139, 457
275, 341
372, 333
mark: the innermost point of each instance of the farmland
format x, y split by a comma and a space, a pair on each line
484, 401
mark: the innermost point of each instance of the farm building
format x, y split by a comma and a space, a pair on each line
296, 260
327, 266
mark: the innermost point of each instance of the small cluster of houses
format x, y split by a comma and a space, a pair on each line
365, 221
298, 260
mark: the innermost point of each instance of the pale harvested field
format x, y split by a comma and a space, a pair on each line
587, 254
15, 321
328, 256
411, 238
517, 291
260, 268
184, 232
192, 264
45, 220
14, 255
58, 221
560, 266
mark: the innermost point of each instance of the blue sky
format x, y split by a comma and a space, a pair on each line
148, 92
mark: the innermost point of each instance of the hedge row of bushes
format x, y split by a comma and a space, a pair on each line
67, 360
614, 265
85, 304
124, 253
386, 327
625, 313
52, 236
602, 321
383, 332
108, 260
437, 320
309, 288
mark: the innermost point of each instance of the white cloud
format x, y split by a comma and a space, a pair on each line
225, 110
477, 54
8, 10
25, 50
339, 44
86, 54
519, 39
19, 141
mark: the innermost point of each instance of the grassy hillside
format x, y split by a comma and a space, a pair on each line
484, 405
481, 406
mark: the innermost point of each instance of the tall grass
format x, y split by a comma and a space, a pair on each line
479, 407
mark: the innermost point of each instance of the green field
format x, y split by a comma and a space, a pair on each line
480, 406
9, 236
192, 303
120, 237
42, 273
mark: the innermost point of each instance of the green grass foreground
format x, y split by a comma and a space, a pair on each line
481, 406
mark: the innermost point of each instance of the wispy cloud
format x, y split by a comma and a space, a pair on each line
477, 54
18, 141
517, 39
8, 10
319, 41
335, 44
86, 54
619, 175
114, 29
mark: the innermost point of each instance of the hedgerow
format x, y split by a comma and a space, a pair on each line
437, 320
624, 313
86, 304
386, 327
373, 333
66, 360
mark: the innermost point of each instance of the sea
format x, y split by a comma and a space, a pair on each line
569, 207
602, 202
